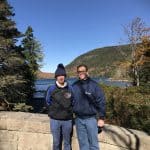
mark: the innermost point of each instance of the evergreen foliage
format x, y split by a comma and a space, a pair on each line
18, 63
11, 58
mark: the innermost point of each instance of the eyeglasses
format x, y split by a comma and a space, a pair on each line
82, 71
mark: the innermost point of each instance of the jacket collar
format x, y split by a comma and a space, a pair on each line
85, 81
61, 86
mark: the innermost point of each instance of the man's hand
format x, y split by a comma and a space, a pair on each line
100, 123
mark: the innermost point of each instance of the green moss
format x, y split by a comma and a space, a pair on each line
22, 107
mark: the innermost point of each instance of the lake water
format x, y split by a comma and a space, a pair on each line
42, 85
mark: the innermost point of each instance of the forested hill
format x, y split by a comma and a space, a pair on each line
44, 75
110, 62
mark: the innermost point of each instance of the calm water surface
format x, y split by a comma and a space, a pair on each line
42, 85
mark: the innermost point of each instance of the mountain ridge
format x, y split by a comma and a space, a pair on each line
110, 61
44, 75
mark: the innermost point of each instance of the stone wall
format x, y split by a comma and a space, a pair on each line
27, 131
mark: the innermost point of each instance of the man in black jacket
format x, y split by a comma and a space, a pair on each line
59, 101
89, 102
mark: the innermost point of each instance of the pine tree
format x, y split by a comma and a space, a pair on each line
12, 60
33, 56
32, 51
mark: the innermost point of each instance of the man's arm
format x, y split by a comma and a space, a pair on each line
101, 103
72, 94
48, 95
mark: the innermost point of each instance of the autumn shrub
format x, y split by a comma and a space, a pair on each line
128, 107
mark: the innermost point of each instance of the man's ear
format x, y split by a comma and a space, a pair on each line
87, 74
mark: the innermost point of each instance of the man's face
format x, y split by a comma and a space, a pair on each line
82, 73
60, 79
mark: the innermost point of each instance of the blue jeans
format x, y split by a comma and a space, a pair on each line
87, 133
56, 127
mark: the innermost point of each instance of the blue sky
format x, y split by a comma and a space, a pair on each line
69, 28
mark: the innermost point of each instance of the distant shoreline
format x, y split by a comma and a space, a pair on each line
109, 79
120, 80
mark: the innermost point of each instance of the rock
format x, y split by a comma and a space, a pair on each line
27, 131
